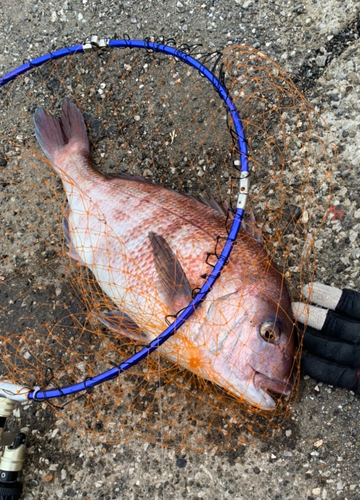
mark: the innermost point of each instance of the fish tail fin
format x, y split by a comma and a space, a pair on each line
69, 132
73, 126
48, 133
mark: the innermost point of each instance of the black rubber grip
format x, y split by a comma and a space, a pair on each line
12, 492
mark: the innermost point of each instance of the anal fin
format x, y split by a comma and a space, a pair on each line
65, 224
75, 256
121, 323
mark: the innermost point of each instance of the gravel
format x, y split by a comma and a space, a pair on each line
315, 454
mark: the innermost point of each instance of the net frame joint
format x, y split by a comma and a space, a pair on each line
95, 43
243, 191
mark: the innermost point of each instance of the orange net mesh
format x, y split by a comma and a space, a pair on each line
152, 116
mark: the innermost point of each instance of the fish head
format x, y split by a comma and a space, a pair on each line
251, 339
270, 348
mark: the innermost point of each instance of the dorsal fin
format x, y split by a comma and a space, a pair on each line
249, 225
221, 209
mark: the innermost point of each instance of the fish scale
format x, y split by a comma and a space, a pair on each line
135, 236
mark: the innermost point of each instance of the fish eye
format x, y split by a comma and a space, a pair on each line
270, 332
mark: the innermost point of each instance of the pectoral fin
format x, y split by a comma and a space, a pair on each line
173, 286
120, 322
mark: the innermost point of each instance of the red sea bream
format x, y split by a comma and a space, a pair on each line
147, 245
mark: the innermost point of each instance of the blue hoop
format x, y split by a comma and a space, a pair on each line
234, 230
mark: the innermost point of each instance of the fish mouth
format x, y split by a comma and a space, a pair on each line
283, 387
260, 389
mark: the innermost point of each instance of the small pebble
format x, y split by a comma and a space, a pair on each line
320, 61
340, 485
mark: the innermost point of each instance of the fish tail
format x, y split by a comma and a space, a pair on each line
57, 136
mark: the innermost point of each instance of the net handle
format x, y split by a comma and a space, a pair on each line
94, 44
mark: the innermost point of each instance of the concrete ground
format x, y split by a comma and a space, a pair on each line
316, 453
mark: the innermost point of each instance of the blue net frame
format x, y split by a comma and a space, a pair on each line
241, 147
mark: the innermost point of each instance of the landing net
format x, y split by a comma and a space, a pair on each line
152, 116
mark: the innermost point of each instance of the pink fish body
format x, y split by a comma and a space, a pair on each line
147, 246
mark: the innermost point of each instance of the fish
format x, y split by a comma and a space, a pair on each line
147, 248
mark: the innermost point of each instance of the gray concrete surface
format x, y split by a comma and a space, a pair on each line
316, 454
